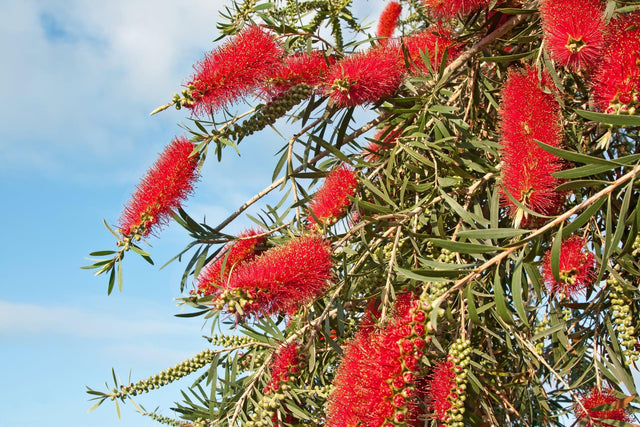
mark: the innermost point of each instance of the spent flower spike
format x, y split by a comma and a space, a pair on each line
574, 39
161, 190
577, 269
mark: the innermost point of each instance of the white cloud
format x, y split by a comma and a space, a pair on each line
80, 76
29, 320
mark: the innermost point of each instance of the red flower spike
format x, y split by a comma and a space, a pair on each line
597, 398
388, 20
439, 387
234, 69
169, 181
434, 43
573, 39
284, 363
296, 69
284, 277
331, 201
451, 8
214, 275
364, 77
528, 113
616, 85
368, 379
577, 269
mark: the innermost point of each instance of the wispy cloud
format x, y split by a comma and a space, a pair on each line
32, 320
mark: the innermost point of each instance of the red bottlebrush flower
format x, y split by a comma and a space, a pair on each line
373, 385
440, 386
331, 201
577, 268
285, 277
162, 189
433, 43
388, 20
234, 69
364, 77
574, 39
213, 276
596, 398
452, 8
529, 113
616, 84
296, 69
284, 363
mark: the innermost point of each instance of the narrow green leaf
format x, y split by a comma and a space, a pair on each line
112, 281
555, 255
516, 290
119, 269
471, 306
492, 233
576, 157
584, 217
102, 253
612, 119
501, 304
98, 403
466, 248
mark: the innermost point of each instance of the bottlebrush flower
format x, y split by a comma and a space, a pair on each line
213, 276
169, 181
307, 68
529, 113
452, 8
284, 363
331, 201
375, 383
616, 85
577, 268
573, 31
597, 398
282, 278
440, 386
388, 20
234, 69
364, 77
433, 43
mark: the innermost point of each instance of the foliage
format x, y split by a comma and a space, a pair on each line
485, 269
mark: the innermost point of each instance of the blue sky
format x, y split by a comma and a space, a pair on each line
77, 81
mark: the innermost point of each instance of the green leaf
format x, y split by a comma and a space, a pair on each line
555, 255
501, 303
112, 281
471, 306
584, 217
102, 253
576, 157
492, 233
516, 289
466, 248
612, 119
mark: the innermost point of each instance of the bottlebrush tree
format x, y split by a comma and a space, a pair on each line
466, 255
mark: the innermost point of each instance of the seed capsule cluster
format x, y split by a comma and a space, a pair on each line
165, 377
459, 356
221, 340
269, 113
541, 327
447, 256
623, 319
